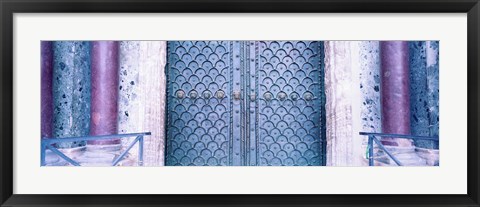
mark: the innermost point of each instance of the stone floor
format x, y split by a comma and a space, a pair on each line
88, 157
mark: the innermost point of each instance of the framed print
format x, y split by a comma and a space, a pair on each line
310, 103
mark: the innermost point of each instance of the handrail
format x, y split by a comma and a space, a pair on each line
89, 138
46, 143
403, 136
372, 138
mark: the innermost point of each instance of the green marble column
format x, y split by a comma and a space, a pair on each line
71, 90
424, 91
433, 88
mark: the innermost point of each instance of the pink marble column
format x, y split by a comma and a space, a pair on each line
46, 89
395, 91
104, 104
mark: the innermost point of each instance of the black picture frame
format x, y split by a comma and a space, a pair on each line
10, 7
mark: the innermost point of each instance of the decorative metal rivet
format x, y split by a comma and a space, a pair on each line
252, 97
180, 94
193, 94
268, 96
294, 96
281, 96
220, 94
236, 95
207, 94
308, 96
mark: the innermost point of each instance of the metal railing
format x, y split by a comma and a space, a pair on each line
47, 143
372, 137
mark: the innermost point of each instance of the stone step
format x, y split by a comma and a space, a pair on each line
406, 155
91, 156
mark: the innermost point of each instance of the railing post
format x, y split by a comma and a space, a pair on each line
386, 151
42, 153
56, 151
140, 151
47, 143
120, 157
370, 150
373, 139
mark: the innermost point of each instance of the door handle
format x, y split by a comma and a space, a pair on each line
267, 96
207, 94
193, 94
252, 97
294, 96
180, 94
220, 94
308, 96
282, 96
237, 95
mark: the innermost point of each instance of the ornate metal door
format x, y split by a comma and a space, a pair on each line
245, 103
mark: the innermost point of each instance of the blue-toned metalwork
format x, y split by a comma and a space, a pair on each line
290, 123
56, 151
370, 150
245, 103
42, 154
47, 143
199, 127
404, 136
372, 138
119, 158
386, 151
140, 151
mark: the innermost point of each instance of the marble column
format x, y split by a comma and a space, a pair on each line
395, 96
432, 52
429, 104
343, 110
46, 89
71, 90
142, 96
418, 92
104, 109
424, 91
395, 91
369, 59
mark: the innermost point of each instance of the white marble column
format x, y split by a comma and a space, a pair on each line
352, 87
342, 93
142, 96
